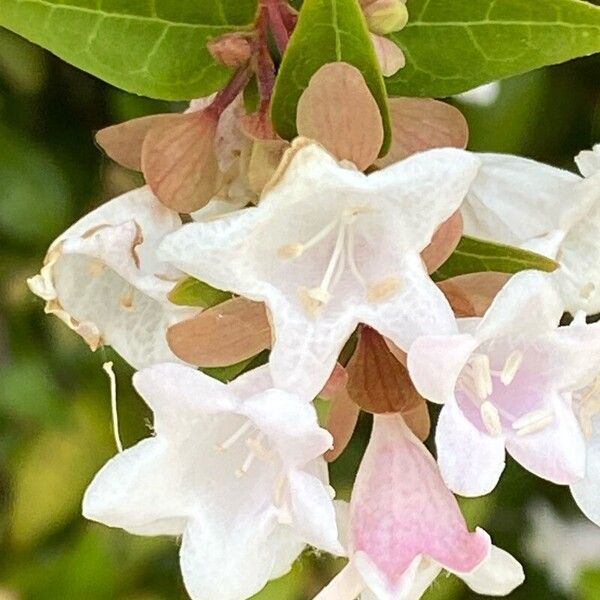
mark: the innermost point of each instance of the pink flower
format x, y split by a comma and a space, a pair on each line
406, 526
509, 383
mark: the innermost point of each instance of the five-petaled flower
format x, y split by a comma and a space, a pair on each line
329, 247
236, 470
513, 380
406, 526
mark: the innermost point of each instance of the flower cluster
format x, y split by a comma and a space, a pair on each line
326, 251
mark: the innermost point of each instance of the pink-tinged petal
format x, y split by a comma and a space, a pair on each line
499, 575
435, 362
313, 512
346, 585
470, 460
405, 510
529, 304
556, 452
587, 491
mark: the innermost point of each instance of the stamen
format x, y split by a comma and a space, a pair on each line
352, 258
236, 436
246, 466
298, 249
491, 418
384, 289
482, 376
108, 368
511, 367
533, 421
127, 298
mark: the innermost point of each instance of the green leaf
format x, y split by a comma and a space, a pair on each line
477, 256
191, 292
452, 46
229, 373
327, 31
155, 49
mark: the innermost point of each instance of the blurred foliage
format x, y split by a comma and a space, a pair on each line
54, 405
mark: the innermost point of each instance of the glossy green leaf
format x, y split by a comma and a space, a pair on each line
155, 48
191, 292
327, 31
452, 46
476, 256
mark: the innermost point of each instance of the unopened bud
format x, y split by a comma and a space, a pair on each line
386, 16
231, 49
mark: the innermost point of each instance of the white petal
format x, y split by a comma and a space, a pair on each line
557, 452
290, 423
425, 189
102, 277
178, 394
499, 575
313, 512
346, 585
231, 560
471, 461
588, 161
587, 490
435, 362
514, 199
137, 490
418, 308
527, 305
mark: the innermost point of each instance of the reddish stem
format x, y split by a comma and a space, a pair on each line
265, 68
278, 27
231, 91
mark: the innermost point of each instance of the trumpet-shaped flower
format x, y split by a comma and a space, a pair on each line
521, 202
510, 381
103, 279
236, 470
329, 247
406, 526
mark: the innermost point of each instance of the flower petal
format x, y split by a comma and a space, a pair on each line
235, 559
557, 452
313, 512
586, 491
499, 575
514, 199
435, 362
471, 461
137, 491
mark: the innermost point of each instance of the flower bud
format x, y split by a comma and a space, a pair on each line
231, 49
386, 16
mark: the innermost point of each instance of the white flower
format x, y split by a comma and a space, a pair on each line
329, 247
510, 381
103, 279
524, 203
235, 469
405, 526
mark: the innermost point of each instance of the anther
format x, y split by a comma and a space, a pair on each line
384, 289
511, 367
491, 418
533, 421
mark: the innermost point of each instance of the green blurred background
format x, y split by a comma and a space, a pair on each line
55, 427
